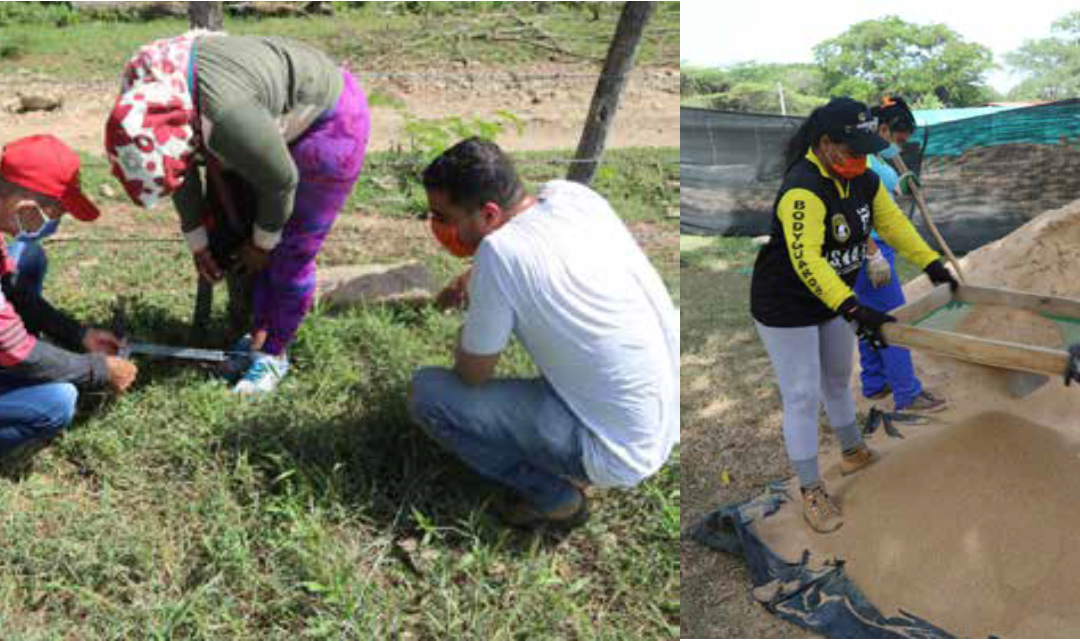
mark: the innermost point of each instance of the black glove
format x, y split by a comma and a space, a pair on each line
1072, 372
940, 275
867, 321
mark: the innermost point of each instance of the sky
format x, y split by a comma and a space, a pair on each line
715, 33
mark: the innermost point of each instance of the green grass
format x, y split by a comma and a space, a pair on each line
641, 183
374, 36
178, 511
637, 181
718, 253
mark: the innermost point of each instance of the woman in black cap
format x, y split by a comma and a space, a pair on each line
801, 296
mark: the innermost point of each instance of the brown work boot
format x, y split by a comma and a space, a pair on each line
18, 463
926, 402
520, 513
822, 514
854, 460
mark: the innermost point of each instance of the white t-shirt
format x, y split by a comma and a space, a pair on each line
568, 279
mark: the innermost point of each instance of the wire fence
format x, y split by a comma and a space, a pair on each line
20, 80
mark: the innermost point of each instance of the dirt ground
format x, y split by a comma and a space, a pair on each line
551, 100
730, 421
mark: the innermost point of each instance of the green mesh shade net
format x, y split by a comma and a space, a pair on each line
949, 317
985, 170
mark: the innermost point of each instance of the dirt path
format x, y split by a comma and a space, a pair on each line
551, 100
731, 420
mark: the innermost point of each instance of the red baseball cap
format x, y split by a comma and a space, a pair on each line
47, 166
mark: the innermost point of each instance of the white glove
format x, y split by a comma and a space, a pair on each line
877, 268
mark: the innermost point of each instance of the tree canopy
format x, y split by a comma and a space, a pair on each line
1051, 65
930, 65
921, 62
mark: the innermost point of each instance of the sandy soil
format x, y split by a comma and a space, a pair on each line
551, 100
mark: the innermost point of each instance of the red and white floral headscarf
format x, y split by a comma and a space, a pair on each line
151, 134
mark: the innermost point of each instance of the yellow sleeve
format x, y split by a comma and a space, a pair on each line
898, 231
802, 215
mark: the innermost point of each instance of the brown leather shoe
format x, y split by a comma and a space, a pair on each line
927, 403
520, 513
18, 463
851, 462
822, 514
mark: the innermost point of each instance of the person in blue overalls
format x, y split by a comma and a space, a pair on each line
890, 370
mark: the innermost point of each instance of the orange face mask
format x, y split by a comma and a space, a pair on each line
850, 167
447, 236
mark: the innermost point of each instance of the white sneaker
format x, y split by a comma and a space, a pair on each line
264, 374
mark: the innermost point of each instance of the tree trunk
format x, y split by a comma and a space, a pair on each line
206, 15
605, 101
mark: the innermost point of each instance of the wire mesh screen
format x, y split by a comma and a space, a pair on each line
983, 176
1001, 323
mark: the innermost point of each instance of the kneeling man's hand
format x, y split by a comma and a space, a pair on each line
100, 341
122, 373
455, 295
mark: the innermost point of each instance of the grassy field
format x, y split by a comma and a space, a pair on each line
179, 511
380, 36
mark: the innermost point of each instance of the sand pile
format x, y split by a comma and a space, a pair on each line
972, 528
970, 521
1039, 257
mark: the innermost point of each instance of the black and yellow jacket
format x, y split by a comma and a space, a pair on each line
818, 241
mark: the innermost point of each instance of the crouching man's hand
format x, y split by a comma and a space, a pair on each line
455, 295
122, 373
100, 341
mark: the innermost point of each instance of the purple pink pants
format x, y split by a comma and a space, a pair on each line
329, 157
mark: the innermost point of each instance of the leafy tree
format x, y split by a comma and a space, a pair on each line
753, 87
889, 55
1051, 65
695, 81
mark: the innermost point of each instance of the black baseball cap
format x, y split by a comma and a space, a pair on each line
849, 121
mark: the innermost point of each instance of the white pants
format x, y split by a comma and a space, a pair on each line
813, 364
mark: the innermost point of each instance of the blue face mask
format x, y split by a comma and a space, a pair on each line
892, 151
44, 231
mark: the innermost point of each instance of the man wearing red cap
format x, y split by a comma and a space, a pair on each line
44, 353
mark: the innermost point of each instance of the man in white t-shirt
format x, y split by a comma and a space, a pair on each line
560, 272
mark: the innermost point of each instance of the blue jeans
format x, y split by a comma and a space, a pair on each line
32, 410
892, 365
517, 432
